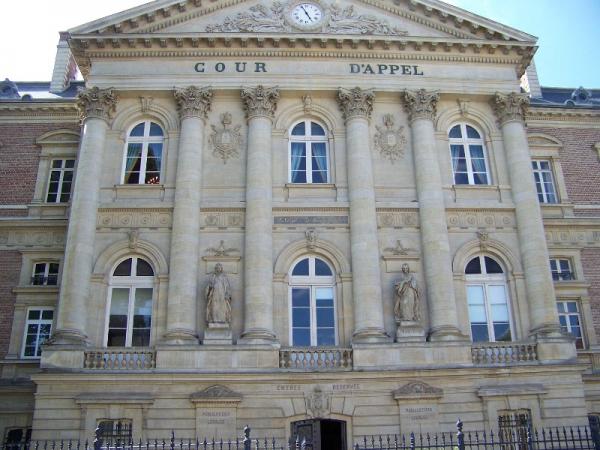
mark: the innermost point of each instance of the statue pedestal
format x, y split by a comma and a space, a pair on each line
218, 334
409, 331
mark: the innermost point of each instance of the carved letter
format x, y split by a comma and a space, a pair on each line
354, 68
261, 67
240, 67
382, 68
220, 67
199, 67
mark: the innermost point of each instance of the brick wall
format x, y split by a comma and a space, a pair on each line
10, 267
580, 163
19, 159
590, 258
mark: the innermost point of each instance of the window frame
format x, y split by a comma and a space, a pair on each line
145, 140
39, 322
466, 142
486, 280
537, 170
132, 283
127, 433
47, 275
559, 271
62, 170
578, 313
308, 139
312, 282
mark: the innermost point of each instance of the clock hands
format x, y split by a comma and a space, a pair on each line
305, 12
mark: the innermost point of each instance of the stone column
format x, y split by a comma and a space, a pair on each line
193, 105
421, 107
260, 104
356, 106
510, 110
95, 106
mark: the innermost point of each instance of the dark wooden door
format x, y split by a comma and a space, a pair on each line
320, 434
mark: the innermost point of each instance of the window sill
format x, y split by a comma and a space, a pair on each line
40, 209
322, 191
46, 289
557, 210
139, 191
476, 192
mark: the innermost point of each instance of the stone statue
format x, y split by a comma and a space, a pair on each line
407, 297
218, 297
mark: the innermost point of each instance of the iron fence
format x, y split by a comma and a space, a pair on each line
558, 438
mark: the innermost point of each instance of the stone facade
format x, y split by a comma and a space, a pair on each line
190, 155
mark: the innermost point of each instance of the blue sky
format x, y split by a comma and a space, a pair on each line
568, 32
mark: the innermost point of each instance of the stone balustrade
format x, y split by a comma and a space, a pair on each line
503, 352
120, 359
315, 358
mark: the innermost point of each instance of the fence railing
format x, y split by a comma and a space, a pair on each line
120, 359
503, 352
311, 358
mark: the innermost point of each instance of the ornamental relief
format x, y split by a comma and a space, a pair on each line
390, 141
134, 219
278, 17
570, 237
227, 141
396, 219
480, 219
221, 219
20, 238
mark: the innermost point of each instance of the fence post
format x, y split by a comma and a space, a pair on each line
529, 437
247, 441
595, 430
97, 439
460, 437
412, 441
172, 443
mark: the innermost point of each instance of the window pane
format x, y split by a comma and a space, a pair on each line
119, 303
325, 317
455, 132
301, 337
138, 130
299, 130
299, 177
472, 133
34, 314
300, 297
319, 177
70, 163
301, 268
47, 314
123, 269
480, 333
497, 295
474, 266
321, 268
476, 151
322, 294
571, 306
116, 337
477, 314
155, 130
491, 266
140, 337
326, 336
502, 332
499, 313
144, 269
316, 129
300, 317
457, 151
461, 178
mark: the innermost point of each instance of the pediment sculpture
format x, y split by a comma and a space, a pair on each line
417, 390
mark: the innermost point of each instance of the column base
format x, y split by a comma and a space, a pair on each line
66, 336
217, 334
179, 336
546, 330
370, 335
409, 331
446, 333
257, 336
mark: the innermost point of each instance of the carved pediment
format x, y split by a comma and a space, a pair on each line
417, 390
216, 393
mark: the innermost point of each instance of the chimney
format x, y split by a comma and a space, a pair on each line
530, 81
65, 68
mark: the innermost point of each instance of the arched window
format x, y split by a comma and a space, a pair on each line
312, 303
309, 159
143, 154
469, 161
487, 296
130, 304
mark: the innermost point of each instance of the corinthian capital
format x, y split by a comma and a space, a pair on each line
260, 101
96, 103
509, 107
193, 101
420, 104
356, 102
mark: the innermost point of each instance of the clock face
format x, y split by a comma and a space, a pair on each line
306, 14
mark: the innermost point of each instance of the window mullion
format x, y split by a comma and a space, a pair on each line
313, 316
144, 159
129, 331
488, 313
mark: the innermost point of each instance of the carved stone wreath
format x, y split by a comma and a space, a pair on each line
226, 142
389, 141
263, 19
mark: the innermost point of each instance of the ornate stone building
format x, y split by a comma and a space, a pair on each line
340, 216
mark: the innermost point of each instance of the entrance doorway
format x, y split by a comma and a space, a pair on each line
321, 434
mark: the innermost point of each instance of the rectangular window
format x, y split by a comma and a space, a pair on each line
17, 438
544, 181
561, 269
61, 180
570, 320
37, 330
488, 312
45, 274
512, 428
130, 318
115, 432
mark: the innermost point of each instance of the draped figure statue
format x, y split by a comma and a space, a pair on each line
407, 297
218, 297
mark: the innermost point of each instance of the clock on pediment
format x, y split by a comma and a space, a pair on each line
306, 15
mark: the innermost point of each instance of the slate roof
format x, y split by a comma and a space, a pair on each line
568, 98
36, 90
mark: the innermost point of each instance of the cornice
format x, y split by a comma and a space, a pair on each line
591, 117
65, 110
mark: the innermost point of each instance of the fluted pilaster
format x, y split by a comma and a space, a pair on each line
96, 107
357, 105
